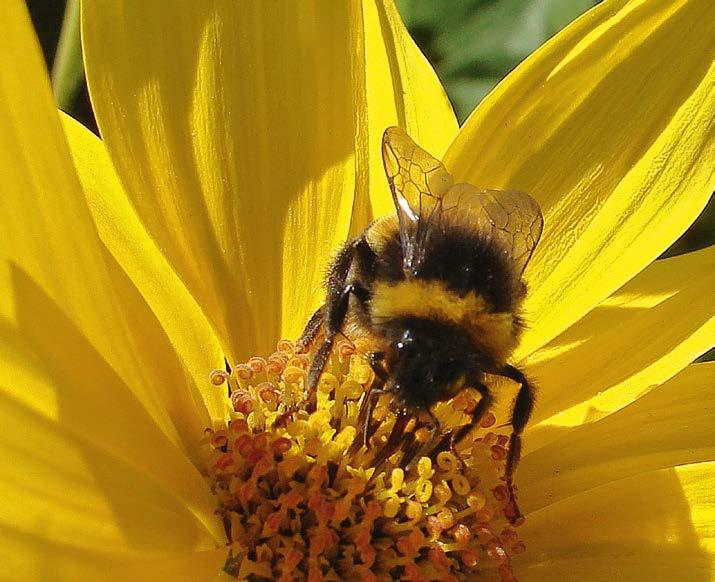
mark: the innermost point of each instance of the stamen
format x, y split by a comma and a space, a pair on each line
301, 502
218, 377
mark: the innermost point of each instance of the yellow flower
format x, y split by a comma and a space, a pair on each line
240, 146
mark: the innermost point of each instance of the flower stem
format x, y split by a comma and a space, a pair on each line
67, 69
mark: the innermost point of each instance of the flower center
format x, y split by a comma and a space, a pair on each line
302, 498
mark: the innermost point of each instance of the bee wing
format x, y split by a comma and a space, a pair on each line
511, 218
417, 181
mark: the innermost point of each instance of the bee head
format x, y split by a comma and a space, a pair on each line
429, 361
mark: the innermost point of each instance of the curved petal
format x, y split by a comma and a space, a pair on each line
39, 559
610, 127
181, 318
397, 86
653, 526
60, 486
622, 348
59, 280
79, 349
669, 426
238, 132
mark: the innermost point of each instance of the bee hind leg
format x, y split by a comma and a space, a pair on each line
523, 406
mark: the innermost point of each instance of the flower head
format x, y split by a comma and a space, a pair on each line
301, 495
240, 146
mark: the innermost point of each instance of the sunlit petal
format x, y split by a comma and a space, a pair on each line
76, 340
397, 87
58, 280
645, 333
235, 127
181, 318
669, 426
653, 526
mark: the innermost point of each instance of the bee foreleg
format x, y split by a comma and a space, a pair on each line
365, 416
427, 448
377, 363
311, 330
332, 323
397, 435
332, 315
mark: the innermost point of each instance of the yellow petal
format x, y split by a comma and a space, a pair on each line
64, 485
610, 127
396, 86
669, 426
238, 132
654, 526
59, 281
638, 338
75, 336
181, 318
39, 559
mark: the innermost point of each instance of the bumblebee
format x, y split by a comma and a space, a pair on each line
437, 289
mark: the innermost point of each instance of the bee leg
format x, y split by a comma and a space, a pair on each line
336, 307
333, 322
436, 428
397, 435
523, 405
408, 462
483, 405
377, 363
310, 332
365, 417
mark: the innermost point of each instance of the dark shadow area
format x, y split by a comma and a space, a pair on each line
47, 18
701, 234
